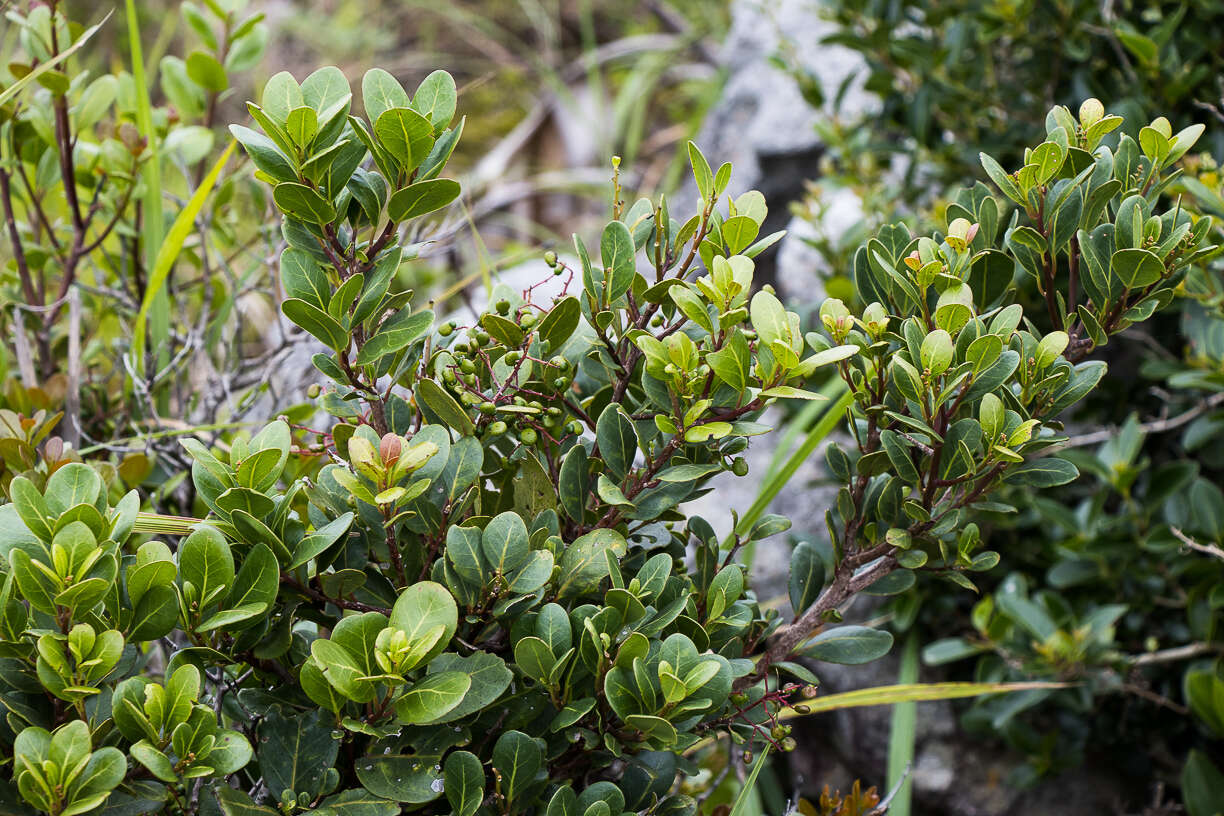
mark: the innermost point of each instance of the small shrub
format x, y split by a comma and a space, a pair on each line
477, 589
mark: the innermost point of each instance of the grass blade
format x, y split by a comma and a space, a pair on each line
170, 249
913, 692
903, 732
152, 221
16, 88
778, 477
747, 796
157, 524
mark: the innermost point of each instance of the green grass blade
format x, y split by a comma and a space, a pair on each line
747, 798
16, 88
913, 692
170, 249
152, 222
778, 477
157, 524
903, 733
902, 693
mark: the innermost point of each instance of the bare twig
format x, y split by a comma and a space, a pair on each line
1186, 652
1209, 549
1153, 426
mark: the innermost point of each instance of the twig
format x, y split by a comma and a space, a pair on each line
1209, 549
1173, 655
882, 808
1154, 426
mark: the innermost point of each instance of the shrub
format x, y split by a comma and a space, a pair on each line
90, 265
487, 596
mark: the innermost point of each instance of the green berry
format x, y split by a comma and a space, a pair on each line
487, 408
739, 467
497, 428
503, 307
528, 436
550, 258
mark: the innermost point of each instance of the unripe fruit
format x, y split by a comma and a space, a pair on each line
503, 307
739, 467
446, 329
497, 428
550, 258
314, 391
528, 436
527, 320
487, 408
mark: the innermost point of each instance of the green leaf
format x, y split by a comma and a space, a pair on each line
380, 92
616, 251
204, 70
436, 99
304, 279
769, 318
465, 782
444, 406
325, 90
560, 322
534, 658
420, 608
93, 783
806, 576
406, 135
320, 540
234, 802
504, 542
205, 560
356, 802
517, 758
155, 615
584, 563
687, 473
318, 323
1048, 471
732, 362
1035, 620
1136, 268
1002, 179
230, 753
489, 675
849, 645
725, 590
281, 94
295, 752
394, 335
1202, 786
70, 485
618, 441
701, 172
258, 580
303, 203
401, 777
302, 126
154, 760
421, 198
226, 618
738, 232
432, 697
